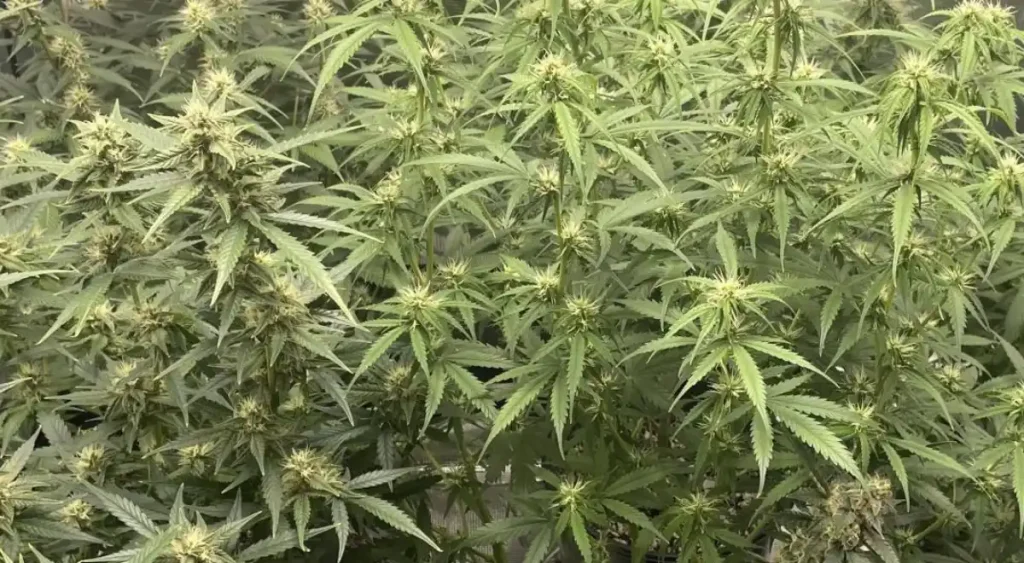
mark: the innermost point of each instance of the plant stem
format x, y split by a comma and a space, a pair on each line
777, 45
480, 505
563, 275
774, 59
430, 251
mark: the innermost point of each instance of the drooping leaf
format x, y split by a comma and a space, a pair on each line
818, 437
391, 515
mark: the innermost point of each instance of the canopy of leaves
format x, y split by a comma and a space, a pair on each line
731, 281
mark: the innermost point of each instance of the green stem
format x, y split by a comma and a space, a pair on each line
775, 58
777, 46
430, 251
563, 275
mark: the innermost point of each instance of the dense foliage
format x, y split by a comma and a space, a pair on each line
734, 281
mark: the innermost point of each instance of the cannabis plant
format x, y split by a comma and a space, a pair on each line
692, 280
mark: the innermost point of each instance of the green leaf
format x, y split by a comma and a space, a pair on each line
232, 244
275, 545
437, 380
524, 395
379, 347
178, 199
305, 260
569, 132
631, 515
818, 437
1000, 240
80, 304
781, 215
764, 443
301, 512
637, 479
902, 216
504, 530
750, 375
154, 547
273, 495
332, 385
39, 556
472, 389
409, 45
339, 55
540, 546
636, 160
815, 406
464, 191
305, 138
574, 371
14, 464
652, 238
829, 312
580, 535
783, 489
882, 548
390, 515
339, 516
380, 477
11, 278
931, 454
126, 511
294, 218
316, 345
560, 407
1018, 486
778, 352
727, 251
899, 469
